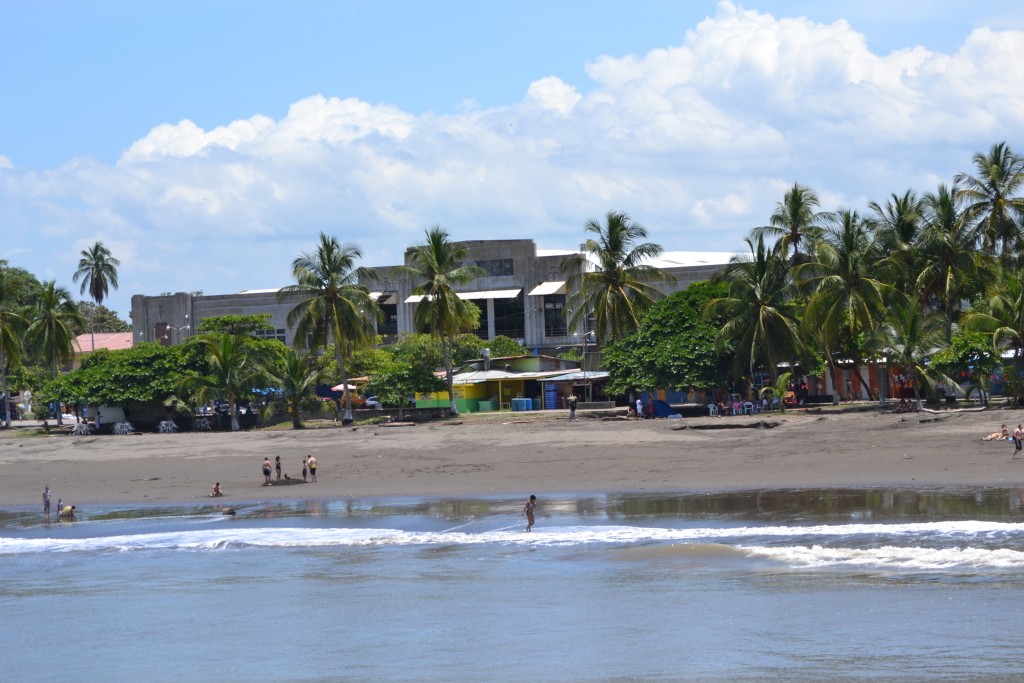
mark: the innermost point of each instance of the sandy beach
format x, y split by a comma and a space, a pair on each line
516, 455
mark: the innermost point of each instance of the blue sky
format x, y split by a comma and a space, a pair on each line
207, 143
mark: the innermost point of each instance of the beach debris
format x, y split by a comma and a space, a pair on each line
81, 429
167, 427
758, 424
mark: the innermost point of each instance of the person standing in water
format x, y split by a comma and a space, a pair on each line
46, 501
528, 509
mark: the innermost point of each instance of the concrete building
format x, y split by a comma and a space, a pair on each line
522, 296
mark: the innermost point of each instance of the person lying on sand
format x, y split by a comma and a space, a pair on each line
1004, 435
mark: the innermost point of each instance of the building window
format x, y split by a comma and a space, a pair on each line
554, 315
389, 327
510, 317
481, 329
277, 333
496, 267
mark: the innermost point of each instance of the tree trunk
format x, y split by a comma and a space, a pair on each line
296, 422
862, 378
346, 399
446, 346
3, 389
60, 418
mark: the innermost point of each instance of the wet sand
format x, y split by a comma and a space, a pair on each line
506, 454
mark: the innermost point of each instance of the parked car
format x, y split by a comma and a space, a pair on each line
373, 403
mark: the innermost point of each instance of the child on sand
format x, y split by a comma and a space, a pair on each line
216, 493
528, 509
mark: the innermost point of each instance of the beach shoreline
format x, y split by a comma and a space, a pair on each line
513, 455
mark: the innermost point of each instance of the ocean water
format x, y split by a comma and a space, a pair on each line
782, 585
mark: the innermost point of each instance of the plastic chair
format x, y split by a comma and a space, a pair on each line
713, 409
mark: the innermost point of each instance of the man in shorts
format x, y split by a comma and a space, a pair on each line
1018, 435
312, 468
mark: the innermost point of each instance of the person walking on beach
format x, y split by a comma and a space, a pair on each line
46, 501
277, 465
305, 469
571, 400
312, 468
266, 471
1018, 435
528, 509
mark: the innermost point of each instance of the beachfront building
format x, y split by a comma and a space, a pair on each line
522, 296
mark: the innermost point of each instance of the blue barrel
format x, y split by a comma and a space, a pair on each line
535, 404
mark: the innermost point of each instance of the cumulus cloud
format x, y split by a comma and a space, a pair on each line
697, 141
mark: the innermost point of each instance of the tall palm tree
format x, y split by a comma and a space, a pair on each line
11, 326
610, 278
898, 225
98, 271
234, 366
848, 298
794, 222
334, 305
994, 197
909, 335
296, 377
1001, 315
438, 267
51, 333
761, 322
950, 261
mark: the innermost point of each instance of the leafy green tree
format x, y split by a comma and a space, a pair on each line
969, 354
794, 223
234, 367
100, 318
395, 382
12, 327
1000, 315
51, 334
761, 323
235, 324
910, 335
97, 269
610, 278
505, 347
674, 347
145, 373
438, 268
993, 196
295, 377
335, 306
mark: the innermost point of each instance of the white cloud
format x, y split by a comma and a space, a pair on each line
697, 141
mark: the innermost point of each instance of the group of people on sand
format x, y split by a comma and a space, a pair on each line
64, 512
1004, 434
309, 465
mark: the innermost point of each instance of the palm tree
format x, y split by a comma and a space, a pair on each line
11, 324
794, 222
98, 271
617, 292
909, 335
848, 299
234, 366
993, 196
334, 305
296, 377
759, 308
1001, 315
898, 225
438, 267
51, 334
950, 261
